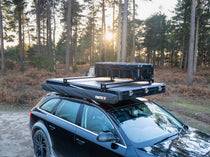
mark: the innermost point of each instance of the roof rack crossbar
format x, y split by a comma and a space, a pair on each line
104, 85
65, 80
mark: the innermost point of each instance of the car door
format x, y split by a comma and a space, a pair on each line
63, 128
93, 122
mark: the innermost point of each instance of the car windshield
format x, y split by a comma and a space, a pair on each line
146, 121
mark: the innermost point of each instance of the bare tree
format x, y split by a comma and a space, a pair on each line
3, 67
113, 22
191, 45
124, 33
104, 27
93, 33
196, 46
37, 5
119, 31
134, 45
19, 7
68, 37
49, 34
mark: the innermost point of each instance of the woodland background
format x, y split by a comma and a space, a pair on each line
178, 47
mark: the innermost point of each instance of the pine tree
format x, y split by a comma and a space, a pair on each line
119, 32
191, 45
3, 67
124, 32
68, 37
18, 15
134, 40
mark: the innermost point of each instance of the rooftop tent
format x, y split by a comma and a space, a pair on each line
108, 89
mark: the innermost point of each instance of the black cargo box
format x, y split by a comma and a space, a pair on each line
135, 71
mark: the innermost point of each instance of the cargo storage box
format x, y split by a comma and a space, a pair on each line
135, 71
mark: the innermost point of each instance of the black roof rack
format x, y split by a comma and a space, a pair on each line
109, 89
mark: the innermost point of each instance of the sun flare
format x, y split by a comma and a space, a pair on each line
109, 36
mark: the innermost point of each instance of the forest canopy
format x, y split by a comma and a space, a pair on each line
44, 33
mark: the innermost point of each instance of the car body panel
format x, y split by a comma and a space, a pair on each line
192, 143
89, 146
61, 129
70, 139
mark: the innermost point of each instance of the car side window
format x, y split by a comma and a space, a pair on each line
68, 110
95, 120
49, 105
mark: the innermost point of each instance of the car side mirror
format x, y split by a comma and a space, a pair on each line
107, 137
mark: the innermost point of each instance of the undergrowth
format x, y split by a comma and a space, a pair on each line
25, 87
176, 80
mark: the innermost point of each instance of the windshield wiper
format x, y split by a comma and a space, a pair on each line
166, 138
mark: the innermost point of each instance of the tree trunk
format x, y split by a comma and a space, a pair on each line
185, 60
124, 36
191, 45
201, 58
44, 38
23, 33
54, 30
162, 57
104, 33
154, 57
113, 22
119, 31
68, 38
134, 45
196, 46
90, 54
183, 42
76, 45
101, 46
29, 37
37, 3
148, 56
3, 67
93, 34
49, 30
172, 56
182, 57
21, 53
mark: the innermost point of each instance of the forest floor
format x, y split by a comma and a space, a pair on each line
190, 104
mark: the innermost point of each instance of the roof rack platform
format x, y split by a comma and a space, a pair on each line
103, 89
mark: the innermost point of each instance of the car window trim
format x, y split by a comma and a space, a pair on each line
59, 100
78, 112
119, 144
110, 119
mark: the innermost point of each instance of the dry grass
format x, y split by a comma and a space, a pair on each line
25, 87
176, 80
194, 91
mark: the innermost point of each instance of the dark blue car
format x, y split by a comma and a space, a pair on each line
69, 126
106, 116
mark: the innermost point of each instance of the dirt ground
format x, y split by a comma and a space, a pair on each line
15, 138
